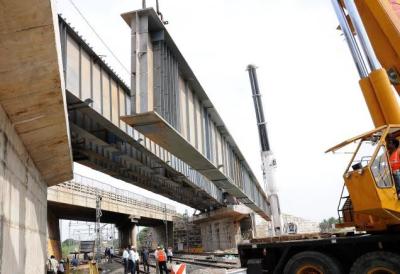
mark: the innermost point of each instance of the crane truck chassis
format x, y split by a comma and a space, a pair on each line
369, 202
376, 252
331, 255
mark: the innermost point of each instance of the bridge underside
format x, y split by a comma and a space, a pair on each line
99, 144
86, 214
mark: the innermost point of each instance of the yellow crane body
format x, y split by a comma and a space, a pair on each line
373, 203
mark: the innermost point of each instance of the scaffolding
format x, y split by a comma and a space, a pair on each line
187, 235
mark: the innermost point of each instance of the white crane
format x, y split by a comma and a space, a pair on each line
267, 156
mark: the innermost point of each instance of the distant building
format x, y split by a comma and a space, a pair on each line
291, 224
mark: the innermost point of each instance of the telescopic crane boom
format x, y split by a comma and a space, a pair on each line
267, 156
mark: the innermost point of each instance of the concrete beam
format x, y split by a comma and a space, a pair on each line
236, 212
31, 84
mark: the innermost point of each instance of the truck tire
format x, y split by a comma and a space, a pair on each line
312, 262
377, 262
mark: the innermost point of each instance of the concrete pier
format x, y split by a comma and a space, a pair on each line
53, 232
224, 228
34, 136
23, 206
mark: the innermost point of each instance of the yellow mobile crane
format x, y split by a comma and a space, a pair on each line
370, 200
373, 202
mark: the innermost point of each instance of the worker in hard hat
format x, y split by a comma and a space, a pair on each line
161, 259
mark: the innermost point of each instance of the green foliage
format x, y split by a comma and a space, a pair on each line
68, 246
142, 237
69, 242
328, 225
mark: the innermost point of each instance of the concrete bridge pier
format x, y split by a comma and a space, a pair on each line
127, 234
133, 234
53, 234
224, 228
159, 235
34, 135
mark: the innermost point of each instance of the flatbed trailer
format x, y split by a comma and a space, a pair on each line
332, 254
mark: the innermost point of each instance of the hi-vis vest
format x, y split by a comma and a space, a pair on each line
161, 257
395, 160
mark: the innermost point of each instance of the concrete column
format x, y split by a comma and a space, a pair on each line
53, 236
133, 235
159, 236
128, 234
124, 236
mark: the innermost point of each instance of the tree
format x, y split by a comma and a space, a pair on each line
69, 242
68, 246
328, 225
142, 237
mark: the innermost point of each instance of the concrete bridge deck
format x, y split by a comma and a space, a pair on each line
72, 199
76, 200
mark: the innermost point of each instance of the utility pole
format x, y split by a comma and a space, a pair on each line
97, 228
166, 225
186, 220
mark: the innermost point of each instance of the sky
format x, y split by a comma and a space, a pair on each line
309, 83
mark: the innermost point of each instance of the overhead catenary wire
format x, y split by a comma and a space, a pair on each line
98, 36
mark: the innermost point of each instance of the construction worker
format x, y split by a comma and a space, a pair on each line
74, 262
161, 259
132, 261
170, 254
145, 260
111, 253
125, 258
52, 265
61, 268
136, 259
394, 152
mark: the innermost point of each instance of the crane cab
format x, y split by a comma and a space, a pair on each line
369, 200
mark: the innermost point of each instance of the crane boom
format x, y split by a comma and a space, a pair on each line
267, 156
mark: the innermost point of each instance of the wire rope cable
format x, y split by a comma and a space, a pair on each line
98, 36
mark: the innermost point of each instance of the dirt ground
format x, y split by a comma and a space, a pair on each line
117, 268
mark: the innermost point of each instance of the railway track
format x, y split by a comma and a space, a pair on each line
209, 263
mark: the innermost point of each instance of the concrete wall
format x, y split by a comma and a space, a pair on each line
23, 206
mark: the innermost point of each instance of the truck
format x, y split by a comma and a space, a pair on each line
370, 200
